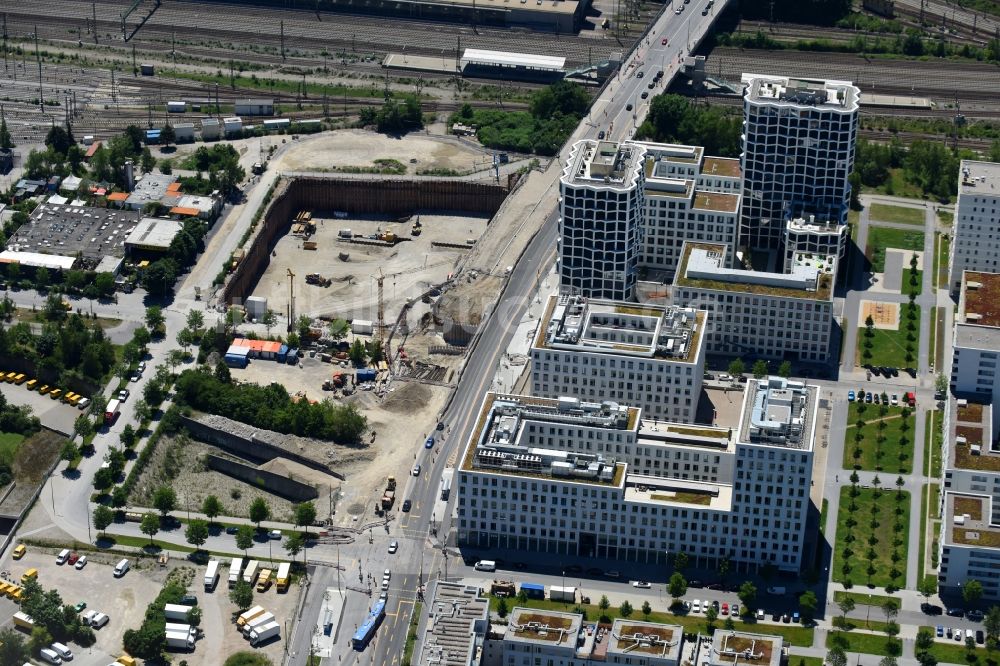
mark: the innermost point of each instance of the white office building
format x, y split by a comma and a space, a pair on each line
976, 245
600, 206
798, 151
755, 313
457, 627
569, 477
650, 357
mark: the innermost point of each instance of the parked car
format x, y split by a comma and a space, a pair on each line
275, 535
948, 632
761, 614
725, 609
696, 606
643, 584
786, 618
123, 395
628, 107
939, 631
850, 396
82, 562
956, 612
73, 557
645, 94
393, 547
735, 610
796, 618
980, 637
232, 529
958, 635
975, 615
895, 400
696, 583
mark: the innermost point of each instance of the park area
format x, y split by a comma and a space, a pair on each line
879, 438
889, 343
896, 214
881, 238
872, 525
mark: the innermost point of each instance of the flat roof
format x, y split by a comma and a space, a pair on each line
457, 615
971, 438
509, 59
37, 259
150, 188
827, 94
779, 412
153, 233
666, 491
574, 323
547, 627
980, 299
604, 165
968, 519
739, 647
721, 166
70, 229
977, 177
716, 201
631, 637
702, 266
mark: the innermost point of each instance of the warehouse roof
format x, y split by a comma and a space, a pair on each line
505, 59
153, 233
37, 259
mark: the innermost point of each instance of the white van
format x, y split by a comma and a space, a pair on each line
99, 620
62, 651
486, 565
62, 556
122, 568
49, 656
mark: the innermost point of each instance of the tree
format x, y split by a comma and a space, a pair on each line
502, 608
211, 507
925, 639
195, 320
604, 604
808, 604
69, 451
58, 139
83, 426
241, 595
167, 135
127, 436
941, 383
737, 367
711, 615
846, 605
164, 500
154, 318
244, 538
12, 647
103, 517
259, 511
150, 525
677, 586
888, 661
972, 591
196, 533
147, 161
143, 412
646, 609
760, 368
991, 623
222, 373
305, 515
269, 319
680, 561
294, 544
357, 353
40, 638
928, 587
748, 594
890, 609
926, 658
625, 610
785, 369
5, 140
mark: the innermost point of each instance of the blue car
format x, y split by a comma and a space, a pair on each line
940, 631
850, 396
429, 444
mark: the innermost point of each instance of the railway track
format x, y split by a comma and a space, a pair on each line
951, 16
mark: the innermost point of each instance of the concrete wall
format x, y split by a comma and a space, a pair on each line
255, 450
296, 491
356, 197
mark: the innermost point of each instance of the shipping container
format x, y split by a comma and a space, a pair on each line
176, 107
533, 590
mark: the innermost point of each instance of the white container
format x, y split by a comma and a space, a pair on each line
176, 107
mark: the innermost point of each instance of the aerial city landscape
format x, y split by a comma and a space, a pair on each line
500, 332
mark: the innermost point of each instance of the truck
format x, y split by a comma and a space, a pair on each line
176, 612
211, 575
557, 593
111, 411
317, 279
259, 621
178, 626
284, 576
390, 483
264, 581
345, 233
503, 588
23, 621
388, 499
250, 573
911, 399
264, 633
533, 590
179, 640
249, 615
446, 483
235, 568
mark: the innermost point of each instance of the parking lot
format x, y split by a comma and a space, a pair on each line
54, 414
125, 600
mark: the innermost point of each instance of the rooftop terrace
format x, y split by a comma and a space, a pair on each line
717, 202
658, 490
579, 324
540, 626
779, 412
604, 164
842, 95
969, 517
736, 647
645, 638
972, 441
980, 298
721, 166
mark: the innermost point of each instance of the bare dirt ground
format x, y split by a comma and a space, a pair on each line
359, 148
410, 267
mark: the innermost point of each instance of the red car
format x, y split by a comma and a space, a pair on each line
663, 41
725, 609
73, 557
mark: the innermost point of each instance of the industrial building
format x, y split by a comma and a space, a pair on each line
597, 479
149, 188
192, 205
756, 313
152, 234
38, 260
976, 242
254, 107
72, 230
602, 198
797, 153
650, 357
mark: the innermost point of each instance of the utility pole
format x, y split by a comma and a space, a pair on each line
173, 49
282, 40
135, 69
38, 58
5, 42
93, 9
291, 301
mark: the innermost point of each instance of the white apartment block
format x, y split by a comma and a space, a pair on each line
569, 477
798, 151
969, 541
754, 313
688, 197
807, 236
600, 206
650, 357
976, 339
976, 245
534, 636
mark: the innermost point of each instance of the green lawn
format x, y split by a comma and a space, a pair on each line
411, 634
946, 217
888, 455
897, 214
896, 185
935, 445
941, 261
915, 285
9, 442
795, 634
823, 514
866, 643
955, 653
796, 660
880, 238
888, 347
862, 599
858, 535
923, 531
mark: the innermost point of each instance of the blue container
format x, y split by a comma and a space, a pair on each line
282, 354
533, 590
293, 356
366, 375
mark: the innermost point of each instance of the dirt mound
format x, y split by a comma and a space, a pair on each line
408, 398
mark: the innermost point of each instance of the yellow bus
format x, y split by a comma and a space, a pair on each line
20, 378
32, 383
55, 394
44, 389
9, 377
